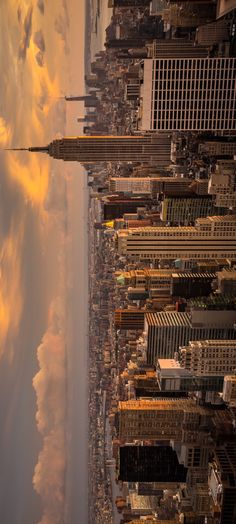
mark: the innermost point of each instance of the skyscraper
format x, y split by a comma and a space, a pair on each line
150, 464
166, 331
153, 148
158, 419
209, 357
185, 210
210, 238
189, 94
132, 318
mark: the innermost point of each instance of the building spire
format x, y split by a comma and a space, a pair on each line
36, 149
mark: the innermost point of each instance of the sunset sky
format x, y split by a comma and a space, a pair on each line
43, 269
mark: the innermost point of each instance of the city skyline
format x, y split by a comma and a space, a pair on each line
118, 262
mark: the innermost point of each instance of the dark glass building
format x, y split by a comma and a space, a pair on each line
150, 464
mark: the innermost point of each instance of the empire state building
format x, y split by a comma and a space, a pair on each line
153, 148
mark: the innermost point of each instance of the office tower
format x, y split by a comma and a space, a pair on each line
220, 147
131, 185
185, 94
229, 390
166, 331
172, 186
150, 464
116, 207
185, 210
191, 14
209, 357
222, 483
213, 33
190, 284
152, 148
147, 386
158, 419
129, 318
176, 48
210, 238
226, 303
152, 185
173, 377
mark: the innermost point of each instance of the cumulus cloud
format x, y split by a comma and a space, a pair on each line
50, 388
39, 40
26, 34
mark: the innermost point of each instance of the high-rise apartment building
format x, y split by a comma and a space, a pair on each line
209, 357
166, 331
158, 419
210, 238
189, 94
154, 148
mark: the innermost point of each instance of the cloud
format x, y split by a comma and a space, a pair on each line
5, 133
50, 387
61, 27
39, 40
11, 296
26, 34
56, 196
39, 59
49, 478
40, 6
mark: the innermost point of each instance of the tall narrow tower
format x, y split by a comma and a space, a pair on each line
154, 148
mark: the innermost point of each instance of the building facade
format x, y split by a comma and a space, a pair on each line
150, 464
166, 331
158, 419
209, 357
210, 238
189, 94
129, 319
152, 148
185, 210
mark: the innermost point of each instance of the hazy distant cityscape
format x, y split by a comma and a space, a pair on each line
159, 148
